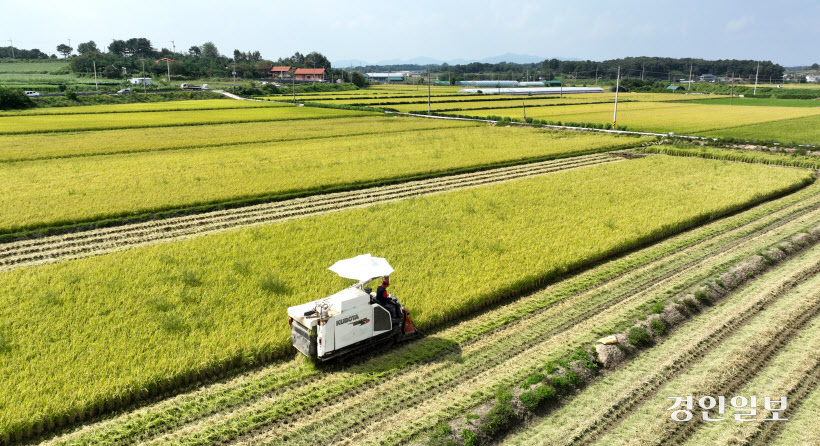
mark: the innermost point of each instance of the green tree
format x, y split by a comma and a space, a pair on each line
13, 99
358, 79
87, 47
195, 51
318, 60
209, 51
118, 47
64, 49
112, 72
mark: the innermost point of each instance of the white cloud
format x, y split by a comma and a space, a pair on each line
739, 24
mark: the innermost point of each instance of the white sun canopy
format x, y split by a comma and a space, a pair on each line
363, 267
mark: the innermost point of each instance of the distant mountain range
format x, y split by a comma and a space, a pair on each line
507, 57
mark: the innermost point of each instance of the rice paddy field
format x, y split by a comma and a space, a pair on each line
149, 253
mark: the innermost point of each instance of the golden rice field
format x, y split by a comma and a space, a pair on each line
17, 124
153, 139
662, 117
58, 191
203, 104
127, 324
84, 338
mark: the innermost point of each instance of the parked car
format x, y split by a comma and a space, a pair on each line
32, 94
124, 91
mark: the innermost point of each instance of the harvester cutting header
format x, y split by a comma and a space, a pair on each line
353, 318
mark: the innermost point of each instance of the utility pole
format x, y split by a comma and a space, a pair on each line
94, 62
690, 78
168, 66
293, 85
174, 46
562, 85
643, 69
732, 97
144, 87
428, 90
756, 74
234, 74
617, 87
524, 107
596, 75
12, 49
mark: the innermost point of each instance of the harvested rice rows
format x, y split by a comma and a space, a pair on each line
722, 371
99, 241
802, 427
455, 369
604, 404
793, 374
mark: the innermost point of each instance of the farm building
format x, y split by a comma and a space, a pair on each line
674, 88
385, 77
533, 90
552, 83
488, 84
140, 80
531, 84
707, 78
308, 74
281, 72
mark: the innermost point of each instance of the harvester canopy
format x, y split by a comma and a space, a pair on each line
363, 267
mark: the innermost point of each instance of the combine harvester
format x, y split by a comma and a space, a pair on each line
350, 319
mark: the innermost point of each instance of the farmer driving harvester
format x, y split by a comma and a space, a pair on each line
383, 298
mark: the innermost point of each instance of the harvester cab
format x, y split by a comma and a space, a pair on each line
351, 319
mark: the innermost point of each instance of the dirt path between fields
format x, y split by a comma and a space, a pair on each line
88, 243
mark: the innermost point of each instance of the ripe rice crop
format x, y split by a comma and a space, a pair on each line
76, 122
663, 118
767, 102
790, 131
749, 156
65, 145
66, 190
144, 319
200, 104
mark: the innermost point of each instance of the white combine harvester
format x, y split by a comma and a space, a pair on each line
350, 319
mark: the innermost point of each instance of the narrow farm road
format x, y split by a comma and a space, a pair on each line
101, 241
233, 96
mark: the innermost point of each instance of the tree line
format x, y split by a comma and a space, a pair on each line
649, 68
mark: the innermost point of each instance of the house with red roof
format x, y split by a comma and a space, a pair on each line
308, 74
281, 72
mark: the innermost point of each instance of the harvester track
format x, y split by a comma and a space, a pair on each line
101, 241
679, 432
768, 431
615, 413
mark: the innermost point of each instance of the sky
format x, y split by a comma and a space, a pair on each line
785, 31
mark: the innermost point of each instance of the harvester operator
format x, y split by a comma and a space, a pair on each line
382, 297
